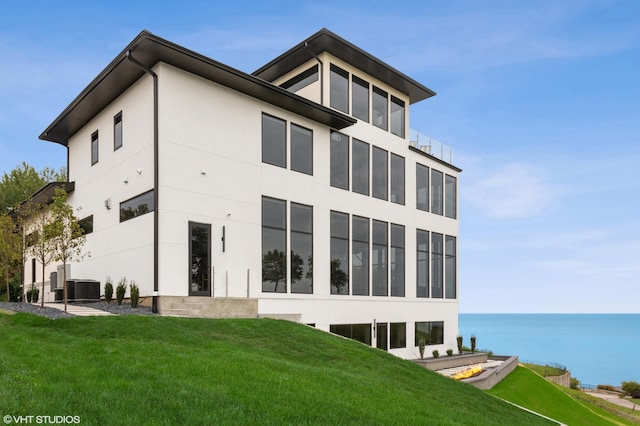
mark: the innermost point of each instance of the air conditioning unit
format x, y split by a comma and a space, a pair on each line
60, 273
53, 281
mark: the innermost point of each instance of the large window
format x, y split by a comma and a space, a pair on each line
86, 225
422, 256
301, 149
199, 259
94, 147
301, 80
382, 341
380, 108
359, 332
397, 116
360, 93
436, 192
379, 258
301, 248
436, 265
397, 335
380, 175
117, 131
137, 206
339, 160
339, 82
360, 167
274, 245
422, 187
274, 141
450, 267
450, 197
360, 256
397, 179
397, 260
339, 253
432, 332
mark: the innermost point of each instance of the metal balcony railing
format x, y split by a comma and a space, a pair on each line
431, 146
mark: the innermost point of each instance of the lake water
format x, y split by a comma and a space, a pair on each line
596, 348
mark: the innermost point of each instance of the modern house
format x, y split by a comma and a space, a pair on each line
296, 192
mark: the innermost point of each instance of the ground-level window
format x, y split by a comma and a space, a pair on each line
339, 253
274, 245
397, 335
301, 248
359, 332
382, 341
432, 332
137, 206
199, 259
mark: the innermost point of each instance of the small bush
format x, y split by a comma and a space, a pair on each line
121, 289
574, 383
607, 388
134, 292
435, 353
449, 352
459, 340
108, 291
473, 344
631, 388
29, 293
421, 344
35, 294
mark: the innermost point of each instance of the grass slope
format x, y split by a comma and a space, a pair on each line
528, 389
155, 370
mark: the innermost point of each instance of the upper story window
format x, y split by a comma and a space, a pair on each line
360, 255
436, 192
117, 131
380, 179
86, 225
422, 263
274, 141
301, 80
450, 197
397, 116
301, 149
422, 187
339, 253
397, 179
301, 248
339, 160
94, 147
274, 245
379, 258
380, 108
360, 96
137, 206
339, 89
360, 167
397, 260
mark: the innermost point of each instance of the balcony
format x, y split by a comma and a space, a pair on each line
431, 146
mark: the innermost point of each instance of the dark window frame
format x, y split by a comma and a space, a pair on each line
135, 213
423, 291
400, 107
302, 80
298, 144
380, 174
358, 175
397, 185
450, 196
437, 192
86, 224
117, 131
422, 183
381, 120
450, 267
274, 228
397, 335
357, 84
437, 265
95, 148
306, 233
339, 160
339, 239
358, 240
433, 332
380, 257
272, 151
338, 95
397, 260
207, 276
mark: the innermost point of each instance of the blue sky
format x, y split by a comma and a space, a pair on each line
540, 101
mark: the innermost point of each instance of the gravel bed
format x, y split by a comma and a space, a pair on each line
53, 313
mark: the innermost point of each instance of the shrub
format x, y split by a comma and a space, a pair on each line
449, 352
29, 293
108, 291
34, 295
121, 289
473, 344
435, 353
574, 383
631, 388
607, 387
134, 292
459, 340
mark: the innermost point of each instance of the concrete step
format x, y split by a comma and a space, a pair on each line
177, 312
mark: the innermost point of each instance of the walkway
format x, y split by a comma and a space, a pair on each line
81, 311
614, 398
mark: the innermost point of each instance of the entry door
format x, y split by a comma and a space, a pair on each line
199, 259
381, 336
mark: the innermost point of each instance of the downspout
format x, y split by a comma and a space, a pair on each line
155, 179
306, 45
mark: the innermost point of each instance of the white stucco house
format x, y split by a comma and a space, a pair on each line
297, 191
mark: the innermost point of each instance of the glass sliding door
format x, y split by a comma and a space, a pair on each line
199, 259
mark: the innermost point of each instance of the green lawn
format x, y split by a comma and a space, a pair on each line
156, 370
527, 389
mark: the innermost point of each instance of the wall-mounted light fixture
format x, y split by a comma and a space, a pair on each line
203, 172
107, 203
139, 171
126, 179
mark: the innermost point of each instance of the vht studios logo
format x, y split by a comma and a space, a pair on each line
41, 420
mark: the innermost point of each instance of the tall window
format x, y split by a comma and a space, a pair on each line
380, 108
397, 116
436, 192
94, 147
274, 141
397, 179
339, 82
301, 80
380, 175
137, 206
450, 267
379, 258
422, 240
432, 332
274, 245
360, 103
381, 336
360, 167
422, 187
436, 265
117, 131
339, 160
397, 260
200, 259
450, 197
360, 256
397, 335
301, 149
301, 248
339, 253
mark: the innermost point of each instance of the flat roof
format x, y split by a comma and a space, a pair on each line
149, 49
326, 41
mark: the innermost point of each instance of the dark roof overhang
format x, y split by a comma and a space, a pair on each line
43, 196
326, 41
149, 49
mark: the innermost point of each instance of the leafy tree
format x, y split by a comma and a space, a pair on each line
631, 388
67, 235
9, 249
41, 239
23, 181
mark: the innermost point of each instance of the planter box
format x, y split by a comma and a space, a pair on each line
453, 361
